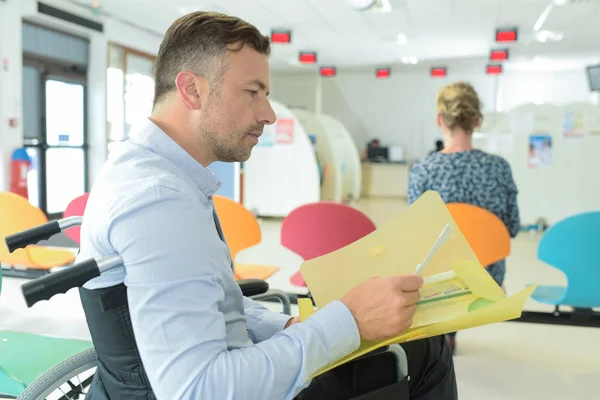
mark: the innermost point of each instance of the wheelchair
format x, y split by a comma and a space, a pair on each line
71, 378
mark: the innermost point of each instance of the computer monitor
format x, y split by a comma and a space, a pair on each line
593, 74
378, 154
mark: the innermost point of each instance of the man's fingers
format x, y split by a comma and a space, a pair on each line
409, 283
412, 297
409, 311
412, 282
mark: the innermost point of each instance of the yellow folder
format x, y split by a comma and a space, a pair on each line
457, 294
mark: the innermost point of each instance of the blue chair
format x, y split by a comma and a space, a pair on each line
571, 245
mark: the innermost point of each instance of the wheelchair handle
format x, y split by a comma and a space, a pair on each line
77, 275
43, 232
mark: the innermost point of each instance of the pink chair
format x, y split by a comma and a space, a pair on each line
320, 228
75, 209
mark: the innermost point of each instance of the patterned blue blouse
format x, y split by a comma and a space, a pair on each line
472, 177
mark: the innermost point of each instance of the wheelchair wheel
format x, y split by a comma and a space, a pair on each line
68, 380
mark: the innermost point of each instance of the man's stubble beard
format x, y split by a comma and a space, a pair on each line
228, 147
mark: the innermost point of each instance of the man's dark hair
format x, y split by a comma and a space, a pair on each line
199, 42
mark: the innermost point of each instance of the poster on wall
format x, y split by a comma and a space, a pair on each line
540, 151
277, 134
573, 125
284, 132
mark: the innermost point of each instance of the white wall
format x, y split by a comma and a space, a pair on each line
11, 14
401, 110
555, 87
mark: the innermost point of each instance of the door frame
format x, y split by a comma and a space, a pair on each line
54, 70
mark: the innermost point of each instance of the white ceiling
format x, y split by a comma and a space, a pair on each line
436, 29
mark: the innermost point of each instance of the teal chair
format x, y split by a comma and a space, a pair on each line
572, 246
25, 356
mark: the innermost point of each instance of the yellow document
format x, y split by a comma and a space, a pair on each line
457, 294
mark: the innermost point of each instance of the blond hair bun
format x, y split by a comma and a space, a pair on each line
459, 106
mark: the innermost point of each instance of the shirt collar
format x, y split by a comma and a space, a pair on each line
149, 135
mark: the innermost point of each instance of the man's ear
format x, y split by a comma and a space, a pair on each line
191, 89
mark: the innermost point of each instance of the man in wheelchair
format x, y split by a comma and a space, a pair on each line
173, 323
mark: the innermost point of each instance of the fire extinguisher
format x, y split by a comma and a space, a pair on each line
20, 164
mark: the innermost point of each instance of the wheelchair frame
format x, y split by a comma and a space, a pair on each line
47, 286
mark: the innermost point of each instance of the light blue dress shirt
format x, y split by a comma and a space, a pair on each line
198, 337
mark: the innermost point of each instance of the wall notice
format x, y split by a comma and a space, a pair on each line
573, 122
284, 133
277, 134
540, 151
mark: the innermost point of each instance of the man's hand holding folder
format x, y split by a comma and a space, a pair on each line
383, 307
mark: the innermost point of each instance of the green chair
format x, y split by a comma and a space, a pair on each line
24, 357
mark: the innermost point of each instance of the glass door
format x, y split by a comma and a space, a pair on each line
54, 134
64, 149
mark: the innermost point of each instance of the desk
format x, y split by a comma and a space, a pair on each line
385, 179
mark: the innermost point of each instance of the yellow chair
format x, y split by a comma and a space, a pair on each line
486, 233
17, 215
241, 231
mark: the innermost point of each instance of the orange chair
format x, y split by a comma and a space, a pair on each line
486, 233
241, 231
16, 215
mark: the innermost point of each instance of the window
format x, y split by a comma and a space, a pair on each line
129, 91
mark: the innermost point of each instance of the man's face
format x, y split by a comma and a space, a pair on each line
238, 109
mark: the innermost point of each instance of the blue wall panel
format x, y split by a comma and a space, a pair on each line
226, 173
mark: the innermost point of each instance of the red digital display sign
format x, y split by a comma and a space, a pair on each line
499, 55
281, 36
494, 69
308, 58
382, 73
506, 35
438, 72
327, 71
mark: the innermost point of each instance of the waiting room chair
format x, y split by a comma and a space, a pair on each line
486, 233
571, 246
76, 208
17, 215
241, 231
316, 229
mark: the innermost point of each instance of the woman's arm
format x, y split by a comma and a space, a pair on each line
513, 219
417, 182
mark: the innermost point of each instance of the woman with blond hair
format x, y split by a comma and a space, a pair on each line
462, 174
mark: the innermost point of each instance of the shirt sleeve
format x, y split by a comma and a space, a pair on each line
262, 323
417, 179
175, 294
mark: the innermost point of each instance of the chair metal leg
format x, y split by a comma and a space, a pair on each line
278, 294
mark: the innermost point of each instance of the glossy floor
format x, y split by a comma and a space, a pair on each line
497, 362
